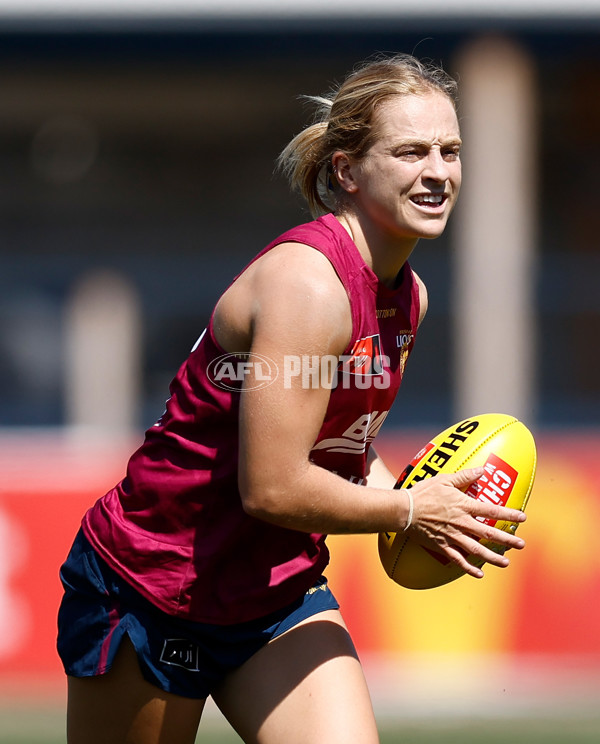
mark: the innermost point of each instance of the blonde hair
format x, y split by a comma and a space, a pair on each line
344, 121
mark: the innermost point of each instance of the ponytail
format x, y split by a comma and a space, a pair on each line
304, 163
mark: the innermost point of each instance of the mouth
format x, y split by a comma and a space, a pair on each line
429, 201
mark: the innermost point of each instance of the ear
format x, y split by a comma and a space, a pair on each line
342, 168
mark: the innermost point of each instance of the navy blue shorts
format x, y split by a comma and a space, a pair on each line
186, 658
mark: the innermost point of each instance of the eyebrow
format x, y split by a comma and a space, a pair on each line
426, 143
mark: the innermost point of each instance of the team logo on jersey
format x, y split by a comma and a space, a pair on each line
403, 341
365, 357
357, 436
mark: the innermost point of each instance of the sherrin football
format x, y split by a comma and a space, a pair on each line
499, 443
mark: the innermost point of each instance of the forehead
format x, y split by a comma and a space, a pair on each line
428, 117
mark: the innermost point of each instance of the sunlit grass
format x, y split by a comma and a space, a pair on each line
47, 727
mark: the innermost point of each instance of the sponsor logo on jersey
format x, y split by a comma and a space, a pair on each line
357, 436
388, 312
365, 357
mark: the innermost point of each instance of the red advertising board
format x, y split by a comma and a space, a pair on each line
547, 603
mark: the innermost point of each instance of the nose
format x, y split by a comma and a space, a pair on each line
436, 168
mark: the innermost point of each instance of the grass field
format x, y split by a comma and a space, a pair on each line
46, 727
539, 705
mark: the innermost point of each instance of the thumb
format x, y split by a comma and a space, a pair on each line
464, 478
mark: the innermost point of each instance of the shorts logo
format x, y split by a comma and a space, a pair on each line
182, 653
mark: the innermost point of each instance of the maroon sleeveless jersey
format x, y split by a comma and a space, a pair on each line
175, 527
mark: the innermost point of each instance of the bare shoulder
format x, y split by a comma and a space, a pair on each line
301, 258
297, 291
292, 290
423, 297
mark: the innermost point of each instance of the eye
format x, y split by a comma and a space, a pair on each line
451, 153
410, 153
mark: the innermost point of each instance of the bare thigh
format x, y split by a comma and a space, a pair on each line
305, 687
121, 707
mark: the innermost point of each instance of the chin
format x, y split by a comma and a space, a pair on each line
432, 231
432, 236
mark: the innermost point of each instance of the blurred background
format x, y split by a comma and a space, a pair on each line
137, 150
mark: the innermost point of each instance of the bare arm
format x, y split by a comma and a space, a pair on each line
299, 307
378, 474
292, 304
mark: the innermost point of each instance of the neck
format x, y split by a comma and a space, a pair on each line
385, 254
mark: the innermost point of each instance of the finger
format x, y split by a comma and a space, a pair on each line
476, 551
464, 478
481, 531
487, 510
459, 557
504, 539
469, 554
494, 558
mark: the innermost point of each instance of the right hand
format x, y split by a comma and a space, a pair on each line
445, 519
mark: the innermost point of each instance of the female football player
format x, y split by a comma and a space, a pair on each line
201, 573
